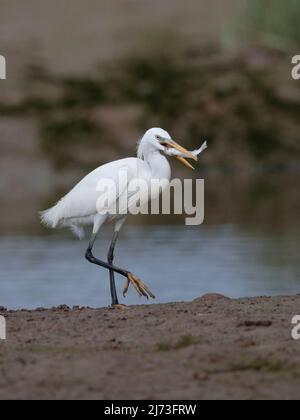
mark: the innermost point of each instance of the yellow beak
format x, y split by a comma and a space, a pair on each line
185, 162
186, 152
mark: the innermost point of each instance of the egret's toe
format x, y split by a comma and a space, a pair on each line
140, 287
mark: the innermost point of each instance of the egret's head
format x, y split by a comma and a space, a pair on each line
158, 140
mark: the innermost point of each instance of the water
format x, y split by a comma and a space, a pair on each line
177, 263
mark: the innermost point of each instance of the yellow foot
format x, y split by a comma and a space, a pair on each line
119, 307
140, 287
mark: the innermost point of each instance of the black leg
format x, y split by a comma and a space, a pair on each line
90, 257
110, 259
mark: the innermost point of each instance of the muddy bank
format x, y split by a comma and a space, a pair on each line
211, 348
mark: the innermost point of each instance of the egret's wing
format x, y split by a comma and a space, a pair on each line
82, 200
114, 192
137, 192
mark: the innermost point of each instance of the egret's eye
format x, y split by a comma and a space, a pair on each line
157, 137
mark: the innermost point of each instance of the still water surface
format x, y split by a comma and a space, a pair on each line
177, 263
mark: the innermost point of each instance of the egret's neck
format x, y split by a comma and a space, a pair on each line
159, 165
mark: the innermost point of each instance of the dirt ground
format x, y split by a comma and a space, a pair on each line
211, 348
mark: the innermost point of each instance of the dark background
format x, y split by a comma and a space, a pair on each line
86, 79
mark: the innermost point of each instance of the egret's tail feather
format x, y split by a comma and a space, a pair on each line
50, 217
55, 217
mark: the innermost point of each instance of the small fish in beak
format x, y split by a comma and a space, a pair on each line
181, 154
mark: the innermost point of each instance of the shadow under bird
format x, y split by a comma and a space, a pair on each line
80, 207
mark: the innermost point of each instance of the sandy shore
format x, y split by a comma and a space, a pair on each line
211, 348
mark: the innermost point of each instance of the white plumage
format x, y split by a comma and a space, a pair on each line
79, 207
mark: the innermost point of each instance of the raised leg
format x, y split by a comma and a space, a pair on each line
139, 286
90, 257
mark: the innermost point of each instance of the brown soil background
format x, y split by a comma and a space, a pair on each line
211, 348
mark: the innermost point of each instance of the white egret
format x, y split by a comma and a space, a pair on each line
79, 207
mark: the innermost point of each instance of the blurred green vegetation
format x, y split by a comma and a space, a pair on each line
275, 23
246, 106
158, 83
